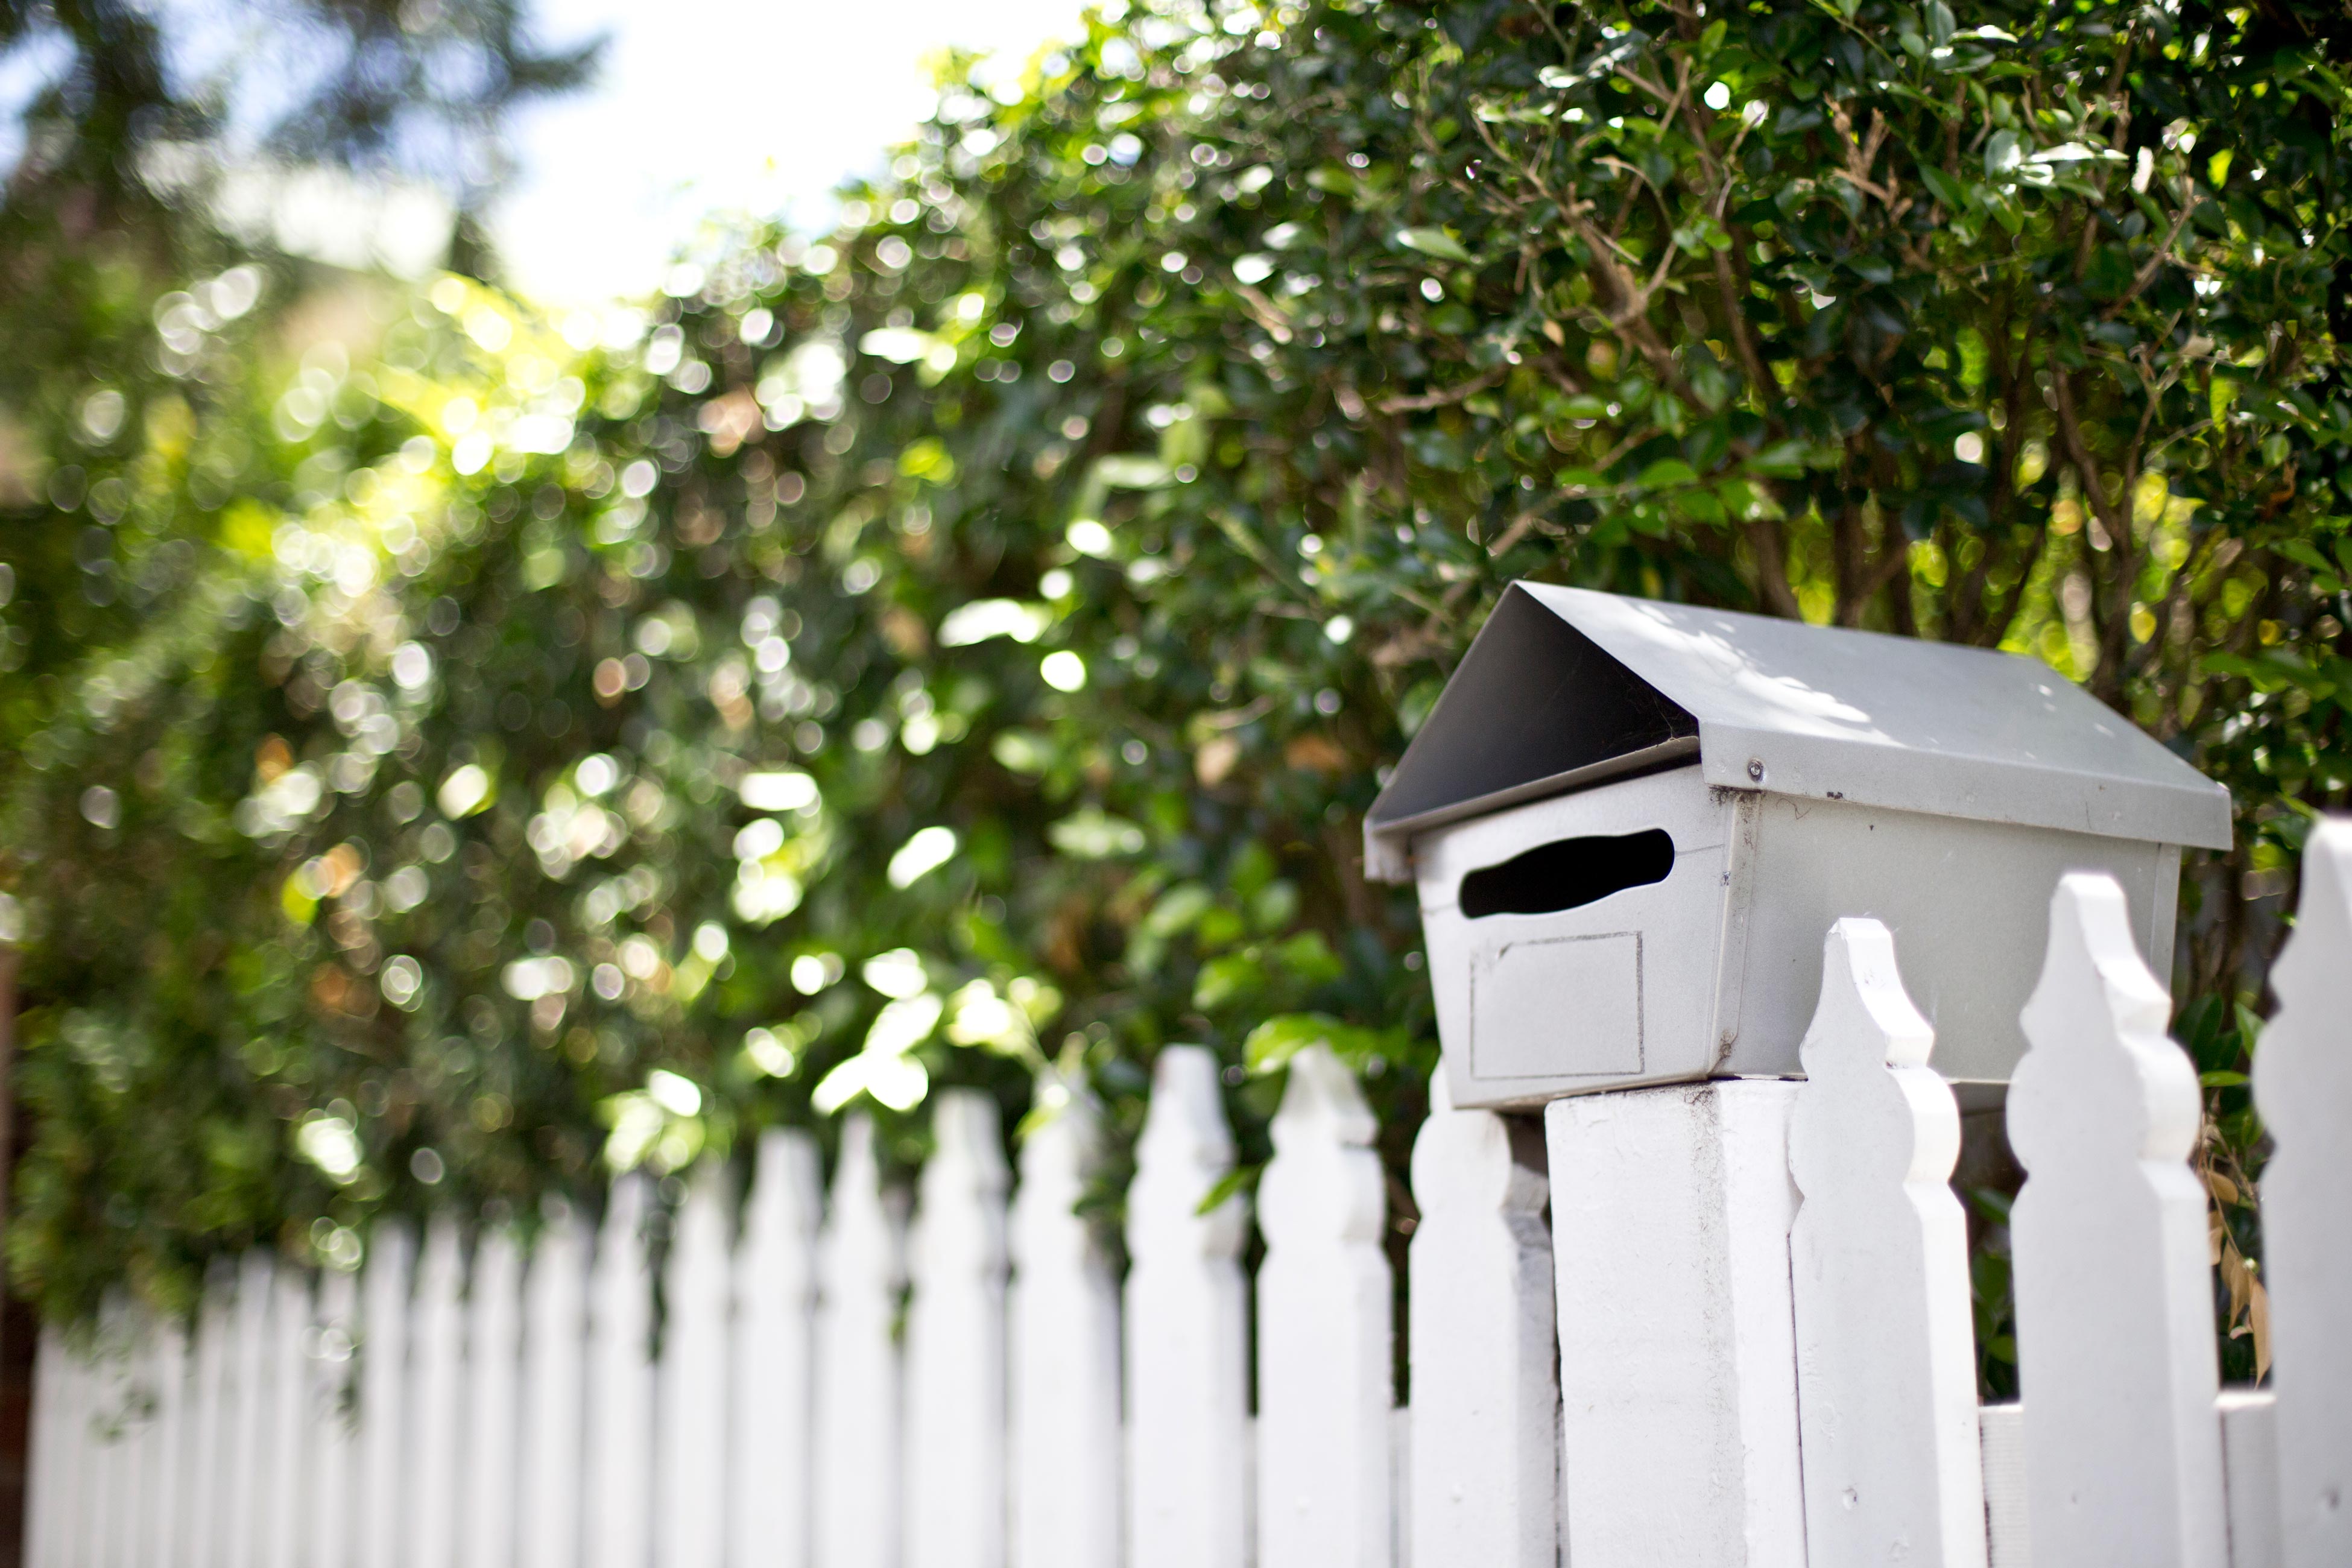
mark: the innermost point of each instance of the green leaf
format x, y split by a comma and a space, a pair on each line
1272, 1044
1240, 1179
1434, 242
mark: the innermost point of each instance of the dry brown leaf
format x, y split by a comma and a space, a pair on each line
1316, 754
2258, 1316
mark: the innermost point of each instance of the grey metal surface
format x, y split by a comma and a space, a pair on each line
1715, 970
1792, 709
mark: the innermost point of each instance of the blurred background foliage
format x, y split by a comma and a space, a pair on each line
455, 749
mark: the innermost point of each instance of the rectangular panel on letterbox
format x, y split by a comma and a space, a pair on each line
1558, 1006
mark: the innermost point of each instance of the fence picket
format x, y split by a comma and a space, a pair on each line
2250, 1477
106, 1532
1064, 1351
2115, 1310
208, 1433
436, 1370
955, 1343
690, 1479
493, 1415
81, 1495
289, 1496
859, 1271
1187, 1334
381, 1503
621, 1384
1886, 1396
555, 1381
1326, 1390
2303, 1082
244, 1497
1485, 1472
333, 1422
46, 1466
775, 1297
161, 1539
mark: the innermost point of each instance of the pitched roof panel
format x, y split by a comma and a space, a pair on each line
1896, 722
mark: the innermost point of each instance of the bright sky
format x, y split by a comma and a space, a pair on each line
741, 105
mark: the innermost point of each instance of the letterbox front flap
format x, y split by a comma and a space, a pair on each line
1895, 722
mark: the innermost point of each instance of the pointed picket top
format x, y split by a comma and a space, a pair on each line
2303, 1083
1064, 1310
955, 1341
689, 1489
1485, 1474
619, 1481
1324, 1299
1885, 1359
551, 1512
1315, 1191
1187, 1328
493, 1401
2114, 1332
775, 1284
859, 1271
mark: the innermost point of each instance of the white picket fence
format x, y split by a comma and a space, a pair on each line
1733, 1329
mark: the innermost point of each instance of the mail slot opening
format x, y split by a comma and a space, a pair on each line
1568, 874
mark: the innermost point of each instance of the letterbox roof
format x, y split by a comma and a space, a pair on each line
1565, 687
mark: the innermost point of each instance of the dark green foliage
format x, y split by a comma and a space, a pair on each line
1235, 366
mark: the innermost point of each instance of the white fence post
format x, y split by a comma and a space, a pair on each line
436, 1370
47, 1468
383, 1500
75, 1479
859, 1273
163, 1540
1887, 1397
955, 1343
1064, 1308
2302, 1081
1187, 1331
245, 1497
1670, 1214
621, 1384
333, 1428
290, 1497
2115, 1308
551, 1515
775, 1297
207, 1436
106, 1533
1485, 1477
1325, 1378
690, 1482
493, 1407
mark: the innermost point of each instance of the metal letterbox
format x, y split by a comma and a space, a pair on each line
1631, 823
